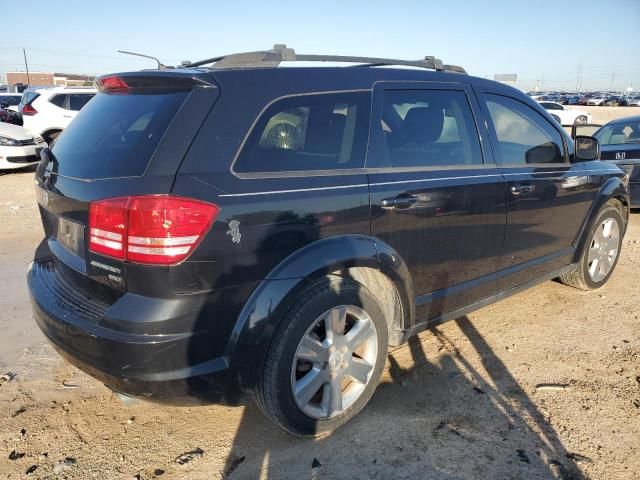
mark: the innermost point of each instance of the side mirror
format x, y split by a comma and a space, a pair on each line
587, 148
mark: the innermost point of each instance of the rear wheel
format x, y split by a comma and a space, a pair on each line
325, 359
580, 120
601, 251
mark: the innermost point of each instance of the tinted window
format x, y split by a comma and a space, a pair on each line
425, 128
311, 132
115, 135
10, 100
58, 100
551, 106
78, 100
524, 136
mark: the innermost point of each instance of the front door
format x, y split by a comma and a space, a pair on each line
548, 196
437, 198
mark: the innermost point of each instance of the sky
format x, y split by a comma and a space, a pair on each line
547, 43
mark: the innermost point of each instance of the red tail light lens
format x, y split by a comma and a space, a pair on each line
108, 226
28, 110
111, 83
154, 229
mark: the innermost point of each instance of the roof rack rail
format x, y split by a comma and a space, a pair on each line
281, 53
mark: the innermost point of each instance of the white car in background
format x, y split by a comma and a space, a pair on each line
46, 111
597, 100
566, 116
18, 147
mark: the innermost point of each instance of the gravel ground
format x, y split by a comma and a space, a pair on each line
545, 384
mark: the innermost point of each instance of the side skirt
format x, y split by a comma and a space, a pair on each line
420, 327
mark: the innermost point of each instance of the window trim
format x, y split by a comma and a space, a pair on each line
482, 98
298, 173
376, 140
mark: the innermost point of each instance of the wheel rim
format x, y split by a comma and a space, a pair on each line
604, 249
334, 361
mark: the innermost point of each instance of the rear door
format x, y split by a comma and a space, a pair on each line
127, 141
437, 198
548, 196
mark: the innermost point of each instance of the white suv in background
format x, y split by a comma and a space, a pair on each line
46, 111
566, 116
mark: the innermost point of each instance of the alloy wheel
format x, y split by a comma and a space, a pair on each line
334, 361
604, 249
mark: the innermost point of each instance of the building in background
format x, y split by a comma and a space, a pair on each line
506, 78
49, 78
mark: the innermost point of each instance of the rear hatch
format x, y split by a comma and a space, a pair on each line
126, 143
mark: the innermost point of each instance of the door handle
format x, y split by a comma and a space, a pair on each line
522, 189
398, 202
67, 116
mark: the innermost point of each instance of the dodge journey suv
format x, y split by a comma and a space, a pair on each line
233, 226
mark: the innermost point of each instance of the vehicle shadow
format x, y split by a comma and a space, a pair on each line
445, 414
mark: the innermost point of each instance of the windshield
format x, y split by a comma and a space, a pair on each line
619, 133
115, 135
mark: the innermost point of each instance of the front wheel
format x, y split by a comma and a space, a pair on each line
601, 251
325, 359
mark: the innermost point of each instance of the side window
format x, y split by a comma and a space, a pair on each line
424, 128
78, 100
524, 136
551, 106
309, 132
58, 100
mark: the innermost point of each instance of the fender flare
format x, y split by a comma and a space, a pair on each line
272, 298
613, 188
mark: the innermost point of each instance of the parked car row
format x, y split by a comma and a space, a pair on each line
33, 119
600, 99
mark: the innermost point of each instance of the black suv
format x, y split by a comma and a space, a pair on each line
232, 226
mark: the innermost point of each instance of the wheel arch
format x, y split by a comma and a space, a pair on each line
612, 189
357, 257
48, 131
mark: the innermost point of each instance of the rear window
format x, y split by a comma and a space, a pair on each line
29, 97
115, 135
309, 132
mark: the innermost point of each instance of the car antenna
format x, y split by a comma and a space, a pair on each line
161, 66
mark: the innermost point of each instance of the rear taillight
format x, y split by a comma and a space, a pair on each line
152, 229
29, 110
111, 83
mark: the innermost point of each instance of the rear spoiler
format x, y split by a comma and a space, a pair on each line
151, 80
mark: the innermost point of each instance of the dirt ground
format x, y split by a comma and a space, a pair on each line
545, 384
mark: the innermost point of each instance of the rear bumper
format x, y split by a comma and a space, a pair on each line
179, 363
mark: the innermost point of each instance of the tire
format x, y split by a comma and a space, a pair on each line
586, 275
284, 370
580, 120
